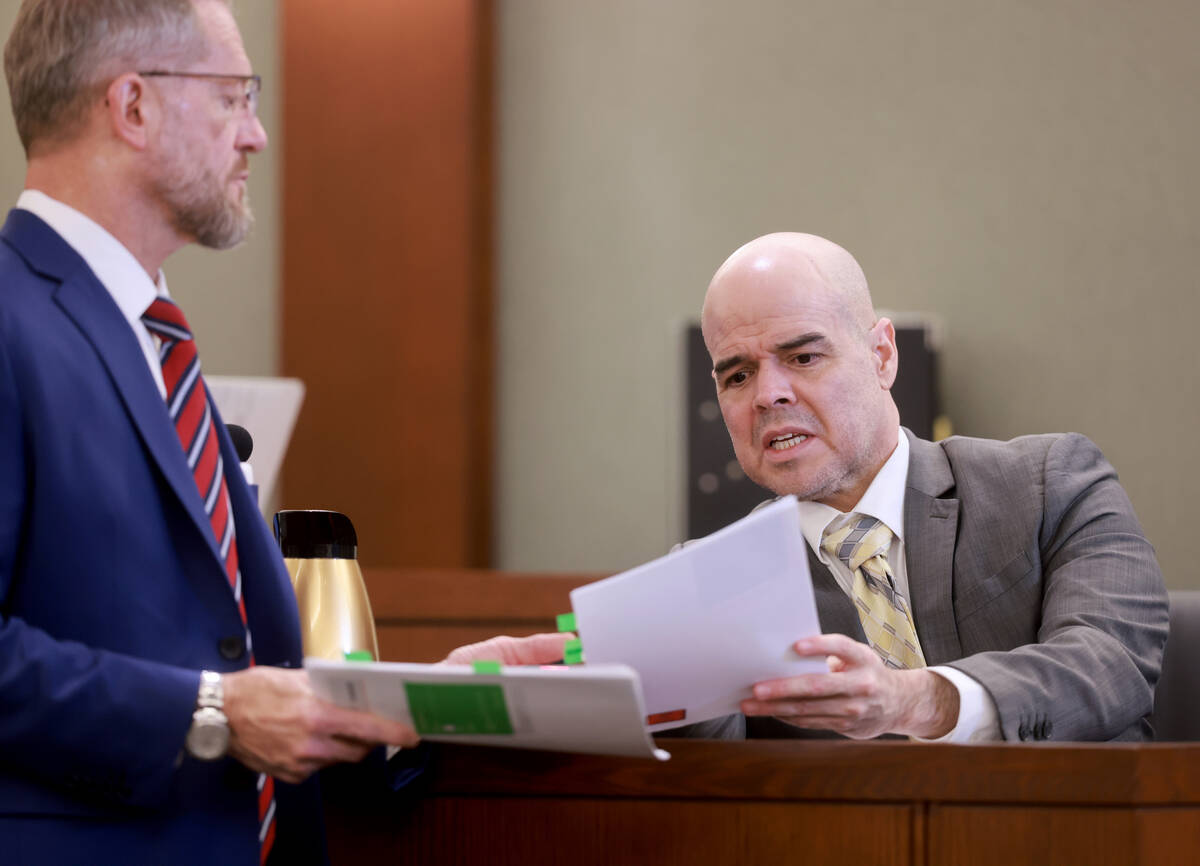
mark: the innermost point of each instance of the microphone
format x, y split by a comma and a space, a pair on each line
243, 444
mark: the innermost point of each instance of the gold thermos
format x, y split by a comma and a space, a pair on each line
320, 551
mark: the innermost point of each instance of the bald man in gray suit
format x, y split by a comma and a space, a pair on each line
1015, 572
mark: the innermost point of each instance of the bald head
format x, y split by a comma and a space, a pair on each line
805, 266
803, 368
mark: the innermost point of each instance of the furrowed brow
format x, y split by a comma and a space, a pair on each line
802, 342
727, 364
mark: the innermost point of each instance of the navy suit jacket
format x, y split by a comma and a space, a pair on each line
112, 596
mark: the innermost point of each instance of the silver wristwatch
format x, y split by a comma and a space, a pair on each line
208, 737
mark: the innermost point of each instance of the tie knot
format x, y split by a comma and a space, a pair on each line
858, 540
164, 319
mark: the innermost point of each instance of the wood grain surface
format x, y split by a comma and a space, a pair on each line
784, 802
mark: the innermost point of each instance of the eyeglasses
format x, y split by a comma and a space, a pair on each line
246, 102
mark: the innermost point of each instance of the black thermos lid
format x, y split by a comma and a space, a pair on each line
315, 535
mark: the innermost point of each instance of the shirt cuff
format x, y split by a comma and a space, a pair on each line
978, 718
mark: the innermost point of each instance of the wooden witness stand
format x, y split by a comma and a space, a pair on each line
809, 803
771, 802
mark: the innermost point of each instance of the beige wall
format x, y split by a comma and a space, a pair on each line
1025, 169
230, 297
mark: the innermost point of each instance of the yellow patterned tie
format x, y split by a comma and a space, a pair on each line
862, 545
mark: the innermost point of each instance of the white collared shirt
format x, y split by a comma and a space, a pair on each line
978, 718
115, 266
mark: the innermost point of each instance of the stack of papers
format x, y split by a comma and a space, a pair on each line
704, 623
678, 640
595, 709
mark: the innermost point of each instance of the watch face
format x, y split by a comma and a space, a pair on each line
208, 738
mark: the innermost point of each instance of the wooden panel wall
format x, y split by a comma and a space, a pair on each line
386, 272
779, 802
599, 832
423, 614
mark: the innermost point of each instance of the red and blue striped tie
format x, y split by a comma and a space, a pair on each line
191, 412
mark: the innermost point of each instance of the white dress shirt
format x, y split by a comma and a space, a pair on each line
115, 266
978, 719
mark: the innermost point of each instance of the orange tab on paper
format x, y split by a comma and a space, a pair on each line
671, 716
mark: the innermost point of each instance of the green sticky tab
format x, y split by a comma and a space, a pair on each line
566, 621
360, 656
446, 708
486, 666
573, 652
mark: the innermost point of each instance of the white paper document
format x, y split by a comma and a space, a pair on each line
595, 709
704, 623
267, 407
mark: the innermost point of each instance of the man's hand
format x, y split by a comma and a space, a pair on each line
538, 649
278, 726
860, 697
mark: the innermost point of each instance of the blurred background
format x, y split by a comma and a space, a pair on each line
483, 228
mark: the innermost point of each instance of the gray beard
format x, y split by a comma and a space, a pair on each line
199, 210
217, 225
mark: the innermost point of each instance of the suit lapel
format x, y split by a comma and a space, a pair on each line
88, 304
834, 608
930, 525
270, 602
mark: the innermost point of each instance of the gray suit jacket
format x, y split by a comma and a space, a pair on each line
1028, 571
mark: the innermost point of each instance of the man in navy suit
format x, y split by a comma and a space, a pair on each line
149, 678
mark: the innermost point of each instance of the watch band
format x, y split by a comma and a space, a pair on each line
211, 693
208, 737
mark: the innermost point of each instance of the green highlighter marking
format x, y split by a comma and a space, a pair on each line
566, 621
447, 708
486, 666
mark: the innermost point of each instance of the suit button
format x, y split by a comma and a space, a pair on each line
231, 648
